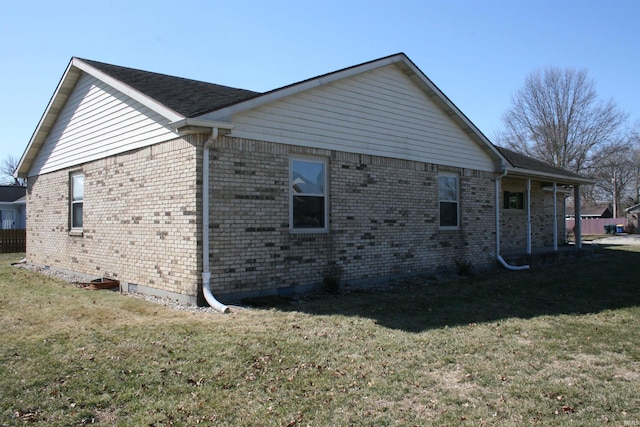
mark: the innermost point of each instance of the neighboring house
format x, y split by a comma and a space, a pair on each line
12, 207
633, 218
592, 211
178, 188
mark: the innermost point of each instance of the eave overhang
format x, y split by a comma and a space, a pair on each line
187, 126
550, 177
48, 119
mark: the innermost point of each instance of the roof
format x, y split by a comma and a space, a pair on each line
594, 210
190, 98
633, 208
185, 101
528, 165
12, 193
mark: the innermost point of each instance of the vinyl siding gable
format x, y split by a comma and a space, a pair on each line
381, 112
96, 122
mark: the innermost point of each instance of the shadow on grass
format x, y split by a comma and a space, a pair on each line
609, 281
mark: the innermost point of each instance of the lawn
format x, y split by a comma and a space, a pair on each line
554, 346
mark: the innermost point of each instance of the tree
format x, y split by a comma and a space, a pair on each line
557, 117
614, 168
634, 140
8, 167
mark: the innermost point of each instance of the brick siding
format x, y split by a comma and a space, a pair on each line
140, 218
383, 213
513, 223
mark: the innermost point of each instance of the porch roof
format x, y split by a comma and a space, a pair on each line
525, 166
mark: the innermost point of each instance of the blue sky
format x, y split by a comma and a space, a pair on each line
477, 52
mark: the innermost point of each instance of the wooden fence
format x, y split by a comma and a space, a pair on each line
13, 241
597, 225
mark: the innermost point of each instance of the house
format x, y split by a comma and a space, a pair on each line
202, 192
592, 211
13, 202
633, 218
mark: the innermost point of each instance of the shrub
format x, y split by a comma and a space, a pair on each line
465, 268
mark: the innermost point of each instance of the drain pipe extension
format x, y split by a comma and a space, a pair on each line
498, 256
206, 273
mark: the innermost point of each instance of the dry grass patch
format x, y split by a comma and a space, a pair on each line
550, 347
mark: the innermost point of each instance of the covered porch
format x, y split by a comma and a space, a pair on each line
530, 211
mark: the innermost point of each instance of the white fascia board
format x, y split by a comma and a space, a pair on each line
528, 173
176, 125
452, 109
128, 90
295, 88
558, 189
56, 103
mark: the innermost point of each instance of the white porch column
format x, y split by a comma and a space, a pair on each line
578, 225
555, 217
528, 216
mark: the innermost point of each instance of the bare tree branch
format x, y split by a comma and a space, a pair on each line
557, 117
7, 168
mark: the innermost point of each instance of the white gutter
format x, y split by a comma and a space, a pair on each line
185, 122
528, 173
206, 273
498, 256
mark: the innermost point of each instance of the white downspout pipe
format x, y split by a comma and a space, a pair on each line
206, 273
498, 256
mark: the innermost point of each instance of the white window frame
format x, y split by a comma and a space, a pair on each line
456, 201
325, 194
73, 202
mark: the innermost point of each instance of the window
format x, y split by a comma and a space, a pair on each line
77, 200
513, 200
448, 196
308, 195
7, 219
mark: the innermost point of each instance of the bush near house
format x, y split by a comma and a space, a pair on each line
555, 346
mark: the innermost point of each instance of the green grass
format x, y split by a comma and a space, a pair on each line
554, 346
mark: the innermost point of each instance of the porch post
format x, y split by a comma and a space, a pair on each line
528, 216
555, 217
578, 224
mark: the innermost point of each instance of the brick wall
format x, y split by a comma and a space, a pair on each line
140, 218
383, 212
513, 223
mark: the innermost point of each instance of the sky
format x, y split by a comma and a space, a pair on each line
478, 52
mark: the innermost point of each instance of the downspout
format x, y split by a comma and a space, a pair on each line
498, 256
206, 273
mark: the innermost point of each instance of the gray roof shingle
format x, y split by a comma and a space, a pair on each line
189, 98
11, 193
521, 161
